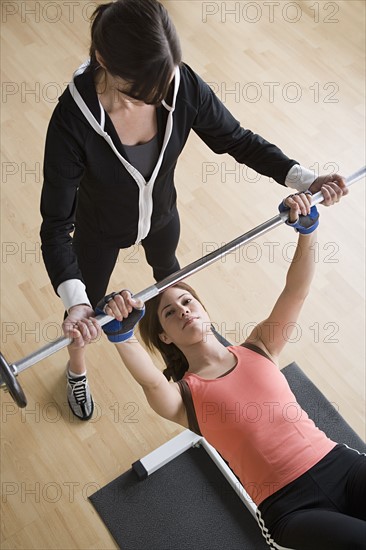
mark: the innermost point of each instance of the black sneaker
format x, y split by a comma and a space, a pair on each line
79, 397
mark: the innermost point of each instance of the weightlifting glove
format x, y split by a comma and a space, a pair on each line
303, 224
119, 331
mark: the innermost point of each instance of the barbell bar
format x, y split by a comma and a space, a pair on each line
9, 372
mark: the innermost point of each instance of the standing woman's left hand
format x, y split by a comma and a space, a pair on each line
335, 186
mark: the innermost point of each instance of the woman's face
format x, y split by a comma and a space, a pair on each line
182, 317
121, 88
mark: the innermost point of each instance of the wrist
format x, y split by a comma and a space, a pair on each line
79, 305
300, 178
307, 236
121, 338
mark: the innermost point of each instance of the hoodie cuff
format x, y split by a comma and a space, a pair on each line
300, 178
73, 293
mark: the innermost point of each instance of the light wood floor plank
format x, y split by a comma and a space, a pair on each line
295, 76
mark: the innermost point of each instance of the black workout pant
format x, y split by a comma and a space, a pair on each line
323, 509
96, 262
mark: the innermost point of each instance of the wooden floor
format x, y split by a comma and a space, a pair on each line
293, 73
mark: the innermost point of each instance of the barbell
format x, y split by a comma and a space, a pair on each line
9, 372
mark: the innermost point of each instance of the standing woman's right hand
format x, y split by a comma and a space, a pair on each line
81, 326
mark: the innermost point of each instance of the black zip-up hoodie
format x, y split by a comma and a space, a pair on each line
88, 188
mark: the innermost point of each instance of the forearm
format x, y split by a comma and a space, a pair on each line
164, 398
56, 241
138, 362
302, 268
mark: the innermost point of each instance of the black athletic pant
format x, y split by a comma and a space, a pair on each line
96, 263
324, 509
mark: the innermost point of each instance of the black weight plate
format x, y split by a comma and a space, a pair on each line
8, 378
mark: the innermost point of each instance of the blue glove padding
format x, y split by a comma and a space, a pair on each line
119, 331
304, 224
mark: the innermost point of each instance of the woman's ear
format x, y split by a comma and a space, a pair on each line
100, 59
165, 338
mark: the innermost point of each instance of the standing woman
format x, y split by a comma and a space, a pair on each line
111, 151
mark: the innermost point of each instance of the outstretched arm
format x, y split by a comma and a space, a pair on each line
273, 333
164, 397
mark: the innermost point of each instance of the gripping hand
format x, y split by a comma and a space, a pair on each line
304, 224
119, 331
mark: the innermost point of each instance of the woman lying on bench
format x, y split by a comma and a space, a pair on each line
310, 491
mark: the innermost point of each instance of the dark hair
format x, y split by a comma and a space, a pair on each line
137, 42
150, 328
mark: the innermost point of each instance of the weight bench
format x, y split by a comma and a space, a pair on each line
183, 496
